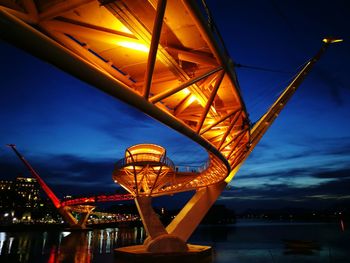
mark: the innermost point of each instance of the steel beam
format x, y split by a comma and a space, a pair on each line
88, 31
152, 55
239, 139
229, 128
223, 118
171, 91
210, 101
134, 169
61, 8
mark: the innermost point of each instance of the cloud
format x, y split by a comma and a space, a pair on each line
311, 159
66, 174
332, 197
8, 168
339, 174
333, 84
323, 195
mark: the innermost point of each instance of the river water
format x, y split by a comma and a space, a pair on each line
245, 241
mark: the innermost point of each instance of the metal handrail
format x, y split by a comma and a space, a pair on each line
144, 158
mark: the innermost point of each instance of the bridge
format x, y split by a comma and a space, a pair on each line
83, 205
167, 59
97, 199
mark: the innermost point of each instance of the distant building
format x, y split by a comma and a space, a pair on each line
5, 185
19, 198
6, 195
29, 190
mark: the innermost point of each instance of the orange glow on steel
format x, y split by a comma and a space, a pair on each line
186, 91
192, 99
134, 46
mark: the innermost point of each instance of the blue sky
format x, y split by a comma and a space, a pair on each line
73, 133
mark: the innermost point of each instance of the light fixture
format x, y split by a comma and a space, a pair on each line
331, 40
133, 45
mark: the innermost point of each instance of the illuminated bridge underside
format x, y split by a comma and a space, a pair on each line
158, 56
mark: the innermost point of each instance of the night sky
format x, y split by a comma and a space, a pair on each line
73, 133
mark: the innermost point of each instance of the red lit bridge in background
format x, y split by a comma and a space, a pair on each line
97, 199
83, 205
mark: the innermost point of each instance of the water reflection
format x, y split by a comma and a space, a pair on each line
2, 240
342, 225
281, 242
76, 246
73, 248
247, 242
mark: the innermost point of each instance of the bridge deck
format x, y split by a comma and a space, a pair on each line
161, 57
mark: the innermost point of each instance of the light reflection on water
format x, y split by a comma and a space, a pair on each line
239, 243
76, 246
282, 242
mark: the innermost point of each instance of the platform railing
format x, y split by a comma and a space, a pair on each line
143, 158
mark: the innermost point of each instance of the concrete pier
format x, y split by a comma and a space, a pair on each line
139, 253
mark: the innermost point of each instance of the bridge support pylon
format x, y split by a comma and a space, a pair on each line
83, 219
158, 240
169, 244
